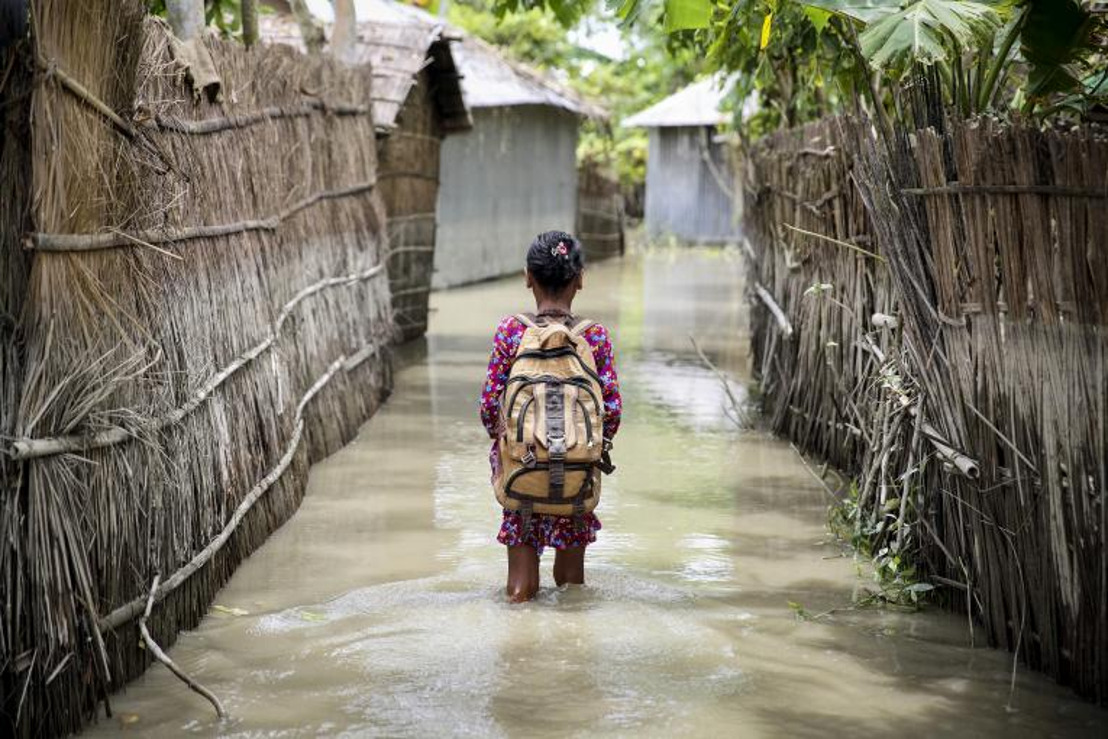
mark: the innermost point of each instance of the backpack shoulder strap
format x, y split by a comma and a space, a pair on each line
580, 326
530, 320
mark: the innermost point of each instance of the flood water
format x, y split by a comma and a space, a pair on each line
378, 609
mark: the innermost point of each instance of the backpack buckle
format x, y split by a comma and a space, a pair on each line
556, 447
529, 457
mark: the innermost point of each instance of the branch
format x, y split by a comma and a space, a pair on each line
92, 242
29, 448
156, 651
782, 320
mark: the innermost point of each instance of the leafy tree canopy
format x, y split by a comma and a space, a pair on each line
807, 58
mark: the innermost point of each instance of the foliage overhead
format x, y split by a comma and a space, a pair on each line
807, 58
927, 32
654, 66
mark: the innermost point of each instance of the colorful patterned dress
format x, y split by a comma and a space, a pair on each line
545, 530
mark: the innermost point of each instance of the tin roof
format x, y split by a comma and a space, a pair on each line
392, 39
699, 104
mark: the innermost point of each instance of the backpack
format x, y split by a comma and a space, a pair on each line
552, 445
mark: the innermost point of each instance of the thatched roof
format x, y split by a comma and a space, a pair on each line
397, 46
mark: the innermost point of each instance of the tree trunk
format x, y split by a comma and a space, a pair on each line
344, 33
186, 18
310, 29
249, 22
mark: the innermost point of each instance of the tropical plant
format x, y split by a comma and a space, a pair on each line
807, 58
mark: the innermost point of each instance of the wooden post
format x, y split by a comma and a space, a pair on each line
310, 29
249, 22
344, 34
186, 18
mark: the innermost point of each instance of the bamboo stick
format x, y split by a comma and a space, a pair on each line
82, 93
128, 611
954, 188
26, 448
39, 241
782, 320
268, 113
158, 654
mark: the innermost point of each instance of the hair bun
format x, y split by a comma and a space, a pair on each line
555, 259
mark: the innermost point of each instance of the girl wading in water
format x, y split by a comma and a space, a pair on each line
551, 404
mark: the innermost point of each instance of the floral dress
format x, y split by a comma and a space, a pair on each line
545, 529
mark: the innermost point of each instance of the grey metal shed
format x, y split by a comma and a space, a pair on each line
514, 174
689, 174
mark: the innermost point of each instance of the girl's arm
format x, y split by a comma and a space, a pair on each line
602, 352
504, 345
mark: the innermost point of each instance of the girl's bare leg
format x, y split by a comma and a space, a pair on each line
569, 566
523, 573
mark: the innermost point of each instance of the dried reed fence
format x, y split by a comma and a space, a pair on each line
600, 224
933, 323
200, 313
409, 171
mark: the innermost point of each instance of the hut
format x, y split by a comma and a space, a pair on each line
514, 174
689, 175
417, 100
193, 311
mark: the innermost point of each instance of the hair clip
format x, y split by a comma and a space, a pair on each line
560, 250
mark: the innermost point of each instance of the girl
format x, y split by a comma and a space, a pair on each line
555, 266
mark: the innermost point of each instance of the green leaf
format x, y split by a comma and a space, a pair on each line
922, 32
686, 14
819, 17
1055, 35
866, 11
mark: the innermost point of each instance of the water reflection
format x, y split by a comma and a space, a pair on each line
377, 610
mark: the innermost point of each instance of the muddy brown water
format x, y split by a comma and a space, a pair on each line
377, 610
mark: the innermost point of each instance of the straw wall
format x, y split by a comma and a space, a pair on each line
409, 176
948, 352
599, 212
205, 312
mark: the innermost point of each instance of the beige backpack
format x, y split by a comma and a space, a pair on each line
552, 446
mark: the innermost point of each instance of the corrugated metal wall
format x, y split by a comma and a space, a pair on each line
684, 198
512, 176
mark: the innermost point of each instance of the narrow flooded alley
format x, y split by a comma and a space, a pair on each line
378, 609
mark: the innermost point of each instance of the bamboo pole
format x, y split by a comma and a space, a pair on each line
310, 29
249, 10
344, 32
158, 654
129, 610
782, 320
92, 242
22, 449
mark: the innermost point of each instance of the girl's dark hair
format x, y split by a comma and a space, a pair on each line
555, 259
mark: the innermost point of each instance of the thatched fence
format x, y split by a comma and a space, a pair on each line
942, 341
600, 221
194, 306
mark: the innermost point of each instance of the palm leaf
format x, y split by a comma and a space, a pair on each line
867, 11
927, 31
